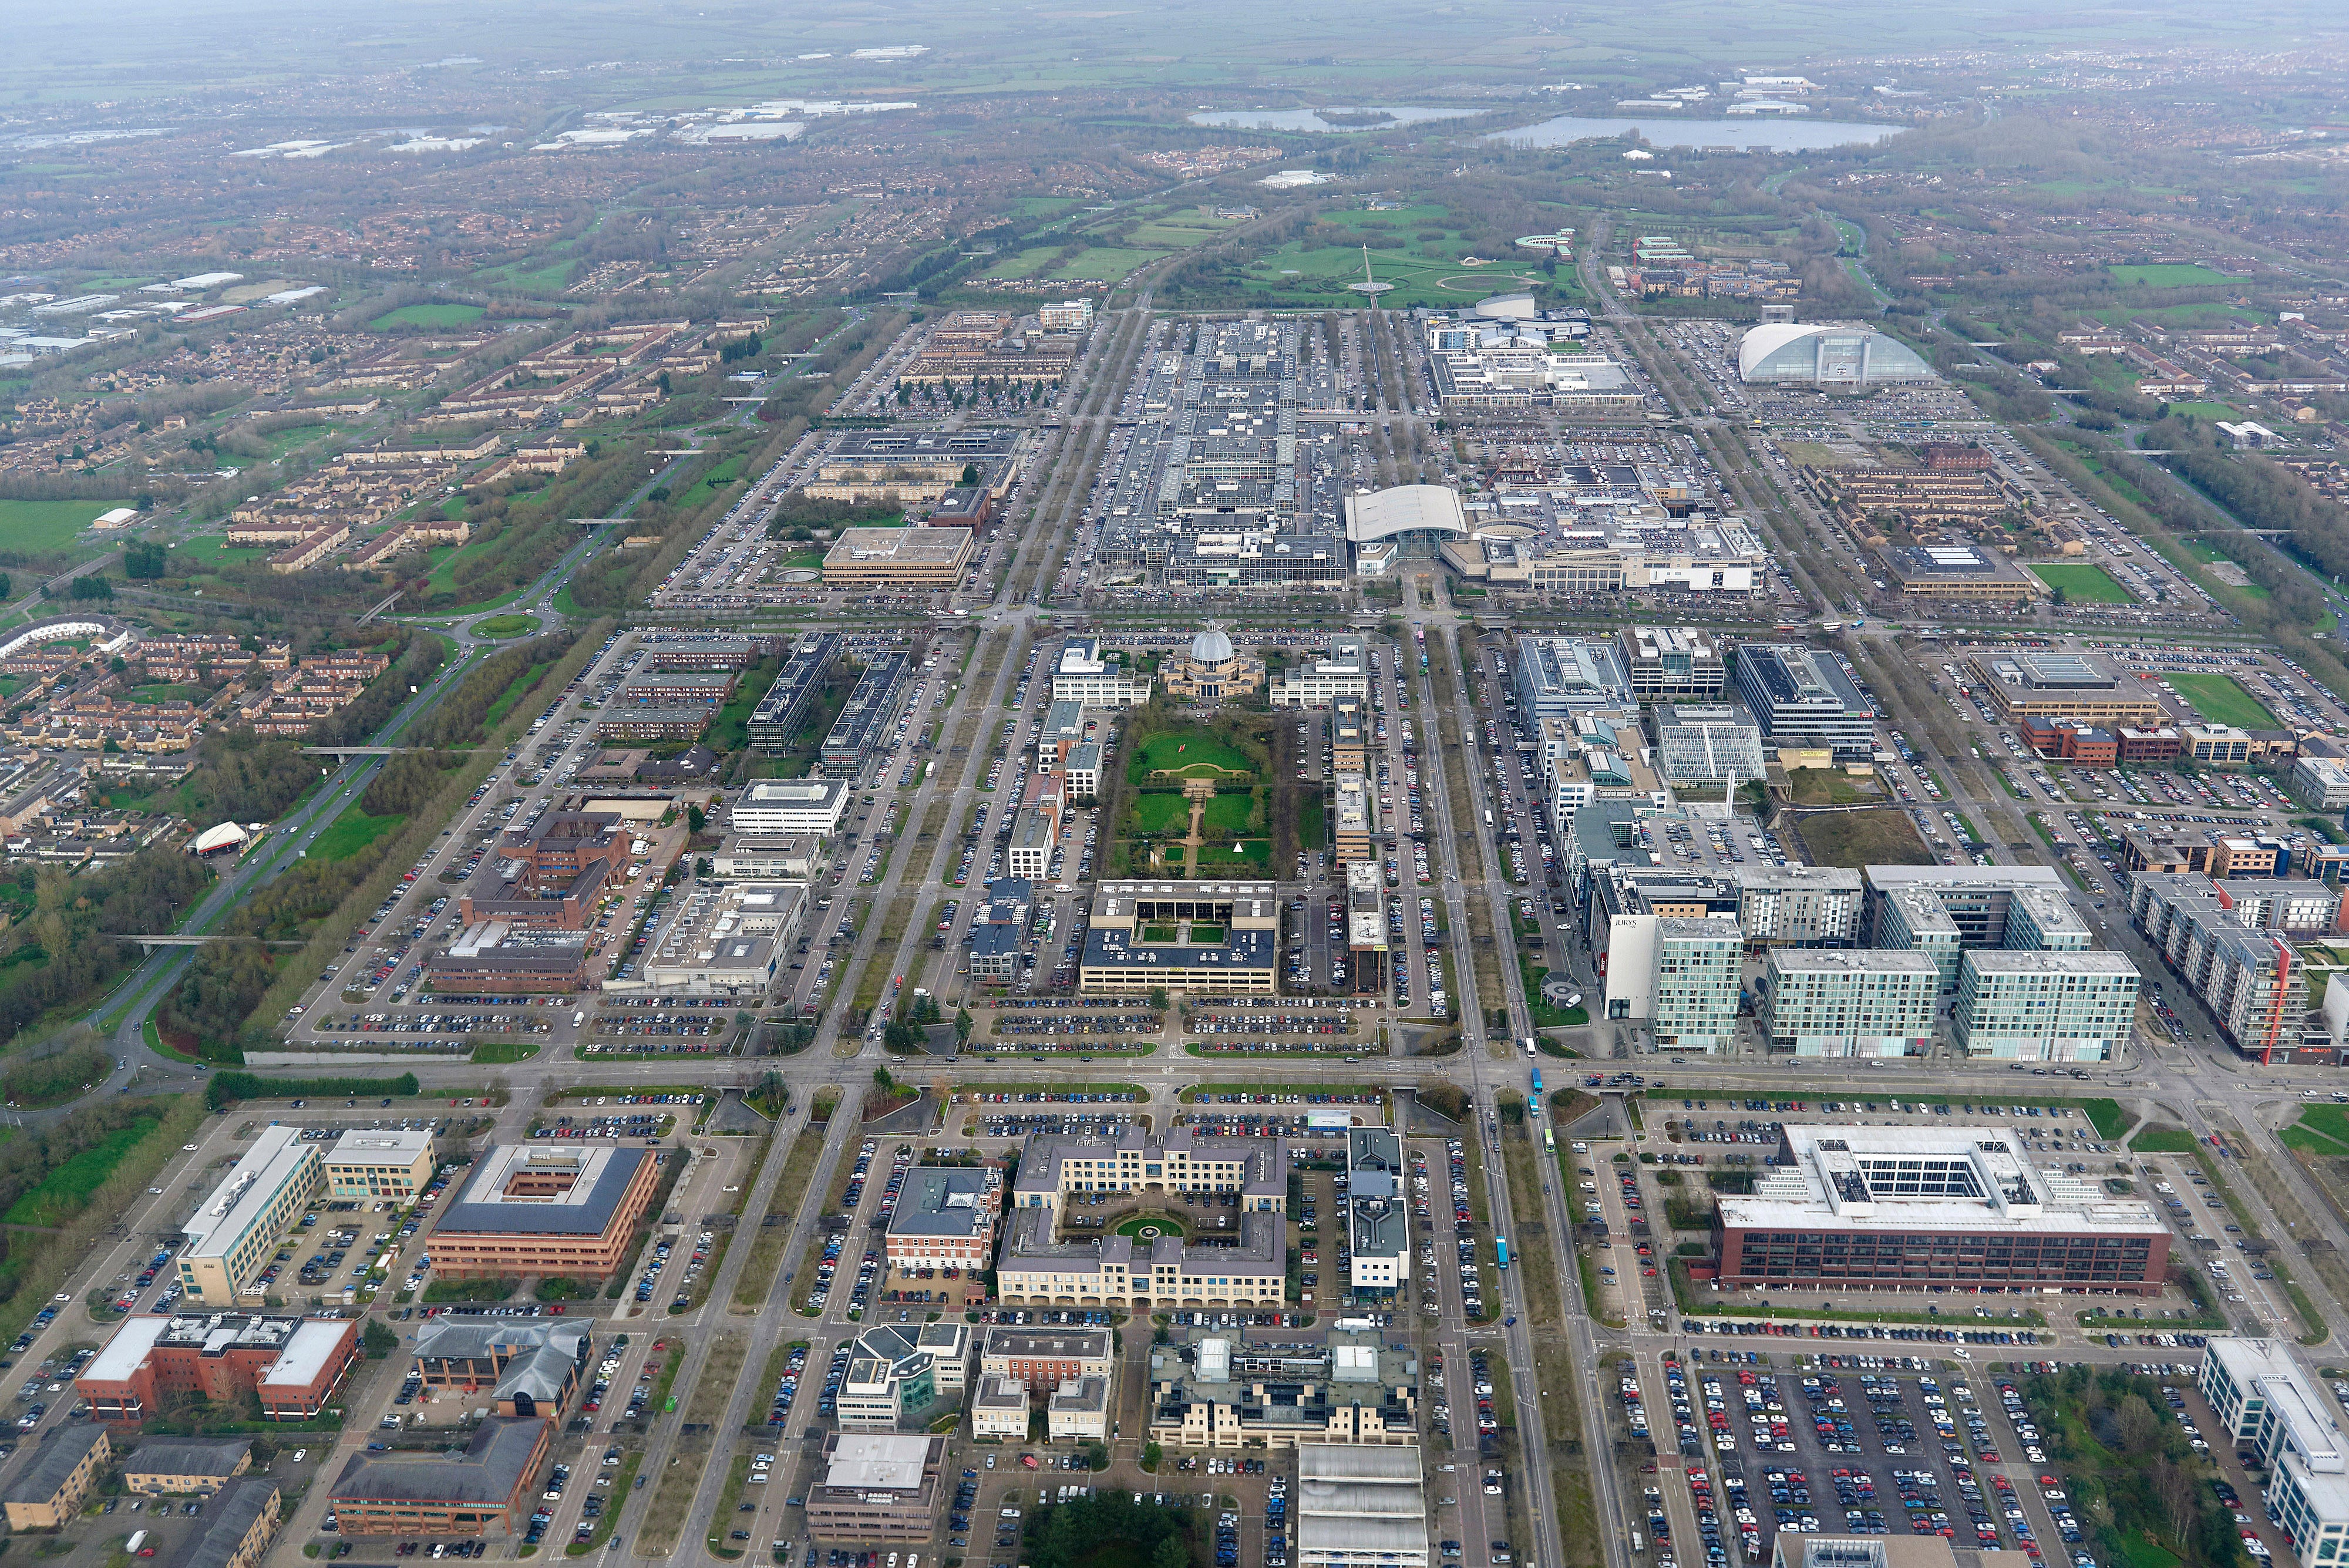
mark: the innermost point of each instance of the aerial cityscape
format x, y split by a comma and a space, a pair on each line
1477, 787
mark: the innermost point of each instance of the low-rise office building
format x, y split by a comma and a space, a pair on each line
1801, 697
1672, 664
1197, 938
1078, 1411
1184, 1161
676, 689
1793, 1550
488, 1490
944, 1227
878, 1487
235, 1230
907, 559
2041, 683
661, 722
785, 708
1083, 769
2321, 783
1344, 671
899, 1374
1378, 1219
491, 955
393, 1165
528, 1366
531, 1209
291, 1365
2268, 1403
1161, 1273
1082, 674
1000, 1409
766, 858
782, 806
1045, 1357
726, 938
1028, 852
1706, 747
1862, 1207
1224, 1393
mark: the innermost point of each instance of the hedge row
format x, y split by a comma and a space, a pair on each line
227, 1087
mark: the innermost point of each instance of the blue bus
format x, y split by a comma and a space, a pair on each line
1502, 1244
1538, 1088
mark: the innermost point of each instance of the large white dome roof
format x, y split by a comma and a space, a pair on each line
1211, 647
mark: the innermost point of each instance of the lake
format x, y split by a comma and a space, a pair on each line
1745, 135
1311, 119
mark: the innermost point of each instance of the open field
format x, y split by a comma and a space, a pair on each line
2222, 699
2187, 275
426, 315
352, 832
1830, 786
207, 552
47, 527
2082, 583
1857, 839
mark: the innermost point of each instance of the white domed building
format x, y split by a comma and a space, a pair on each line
1213, 670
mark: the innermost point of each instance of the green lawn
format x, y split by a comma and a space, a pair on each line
2207, 410
352, 832
500, 1051
1161, 812
63, 1192
2221, 700
167, 693
2321, 1130
285, 441
444, 562
47, 527
427, 315
2084, 583
208, 552
2174, 276
506, 626
552, 278
718, 478
1246, 852
1229, 812
1184, 749
513, 695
